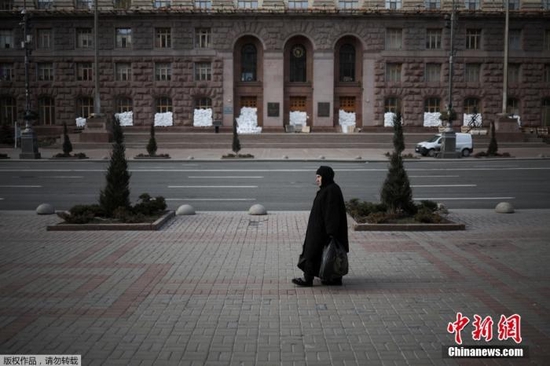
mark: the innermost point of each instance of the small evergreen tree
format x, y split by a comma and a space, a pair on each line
152, 145
236, 143
493, 145
396, 191
67, 145
117, 189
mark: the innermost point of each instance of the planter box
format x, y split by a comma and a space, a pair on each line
149, 226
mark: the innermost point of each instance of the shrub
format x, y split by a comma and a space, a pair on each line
152, 145
427, 216
67, 145
149, 206
428, 205
236, 143
82, 214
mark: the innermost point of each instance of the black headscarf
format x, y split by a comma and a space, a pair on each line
327, 173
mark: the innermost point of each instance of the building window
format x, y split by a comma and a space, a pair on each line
298, 64
393, 73
123, 104
122, 4
163, 71
392, 105
45, 71
514, 39
203, 103
432, 105
84, 4
163, 104
347, 104
393, 4
348, 4
347, 63
546, 77
163, 37
6, 4
513, 4
247, 4
43, 38
512, 106
249, 59
473, 39
432, 4
394, 38
162, 3
203, 71
203, 37
546, 4
84, 38
472, 73
433, 39
471, 106
433, 73
43, 4
8, 110
123, 71
297, 4
6, 72
6, 38
472, 4
514, 73
123, 37
84, 107
203, 4
546, 46
249, 102
546, 112
46, 110
84, 71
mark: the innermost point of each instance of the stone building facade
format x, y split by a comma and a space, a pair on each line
317, 56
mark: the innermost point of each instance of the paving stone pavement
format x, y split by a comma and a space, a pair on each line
214, 289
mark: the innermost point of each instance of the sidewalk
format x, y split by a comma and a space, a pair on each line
214, 289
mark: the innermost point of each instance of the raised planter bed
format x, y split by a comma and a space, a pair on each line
144, 226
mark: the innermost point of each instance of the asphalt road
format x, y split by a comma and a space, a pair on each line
279, 186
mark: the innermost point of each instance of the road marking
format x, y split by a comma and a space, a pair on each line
461, 198
443, 185
193, 187
23, 186
210, 199
63, 176
224, 177
434, 176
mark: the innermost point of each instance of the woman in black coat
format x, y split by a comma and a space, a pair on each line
327, 220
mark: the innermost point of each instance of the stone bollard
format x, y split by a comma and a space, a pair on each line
257, 209
504, 207
185, 210
45, 209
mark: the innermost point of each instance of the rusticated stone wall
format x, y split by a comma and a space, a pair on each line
273, 31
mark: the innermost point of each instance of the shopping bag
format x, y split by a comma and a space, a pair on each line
335, 261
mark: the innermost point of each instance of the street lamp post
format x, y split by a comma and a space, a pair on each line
97, 100
448, 143
29, 143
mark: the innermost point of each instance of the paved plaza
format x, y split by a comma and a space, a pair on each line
214, 289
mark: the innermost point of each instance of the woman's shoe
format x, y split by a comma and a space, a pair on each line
301, 282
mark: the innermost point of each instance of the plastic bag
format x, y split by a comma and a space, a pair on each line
335, 261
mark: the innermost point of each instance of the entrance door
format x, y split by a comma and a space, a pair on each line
298, 104
347, 104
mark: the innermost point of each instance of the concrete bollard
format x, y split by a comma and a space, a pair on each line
504, 207
185, 210
257, 209
45, 209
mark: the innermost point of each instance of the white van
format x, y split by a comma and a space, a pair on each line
464, 145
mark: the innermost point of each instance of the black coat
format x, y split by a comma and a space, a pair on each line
327, 219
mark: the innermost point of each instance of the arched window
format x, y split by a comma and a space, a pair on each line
432, 105
298, 64
249, 59
84, 106
472, 106
347, 63
46, 110
123, 104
